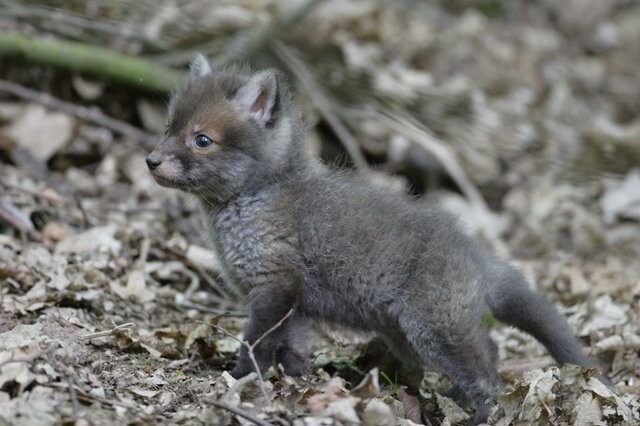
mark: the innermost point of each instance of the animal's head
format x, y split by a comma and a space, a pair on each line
227, 129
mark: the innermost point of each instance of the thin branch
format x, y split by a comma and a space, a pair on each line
252, 346
18, 220
81, 395
272, 329
259, 39
519, 366
256, 367
111, 332
74, 399
144, 253
207, 278
209, 310
321, 102
91, 115
238, 412
223, 295
426, 140
238, 385
247, 45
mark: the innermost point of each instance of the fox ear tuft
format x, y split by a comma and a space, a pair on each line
259, 97
200, 66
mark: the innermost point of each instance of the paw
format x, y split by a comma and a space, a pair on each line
241, 369
456, 393
482, 414
293, 363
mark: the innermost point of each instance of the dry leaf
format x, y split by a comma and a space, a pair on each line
623, 199
377, 413
41, 131
100, 238
411, 405
369, 386
135, 290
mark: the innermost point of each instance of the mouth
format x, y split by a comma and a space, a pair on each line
167, 172
167, 182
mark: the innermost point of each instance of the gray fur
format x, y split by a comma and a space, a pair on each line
200, 66
257, 98
294, 235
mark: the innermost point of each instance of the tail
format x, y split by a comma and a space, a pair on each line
511, 301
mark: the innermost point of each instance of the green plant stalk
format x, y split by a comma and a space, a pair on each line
393, 383
90, 59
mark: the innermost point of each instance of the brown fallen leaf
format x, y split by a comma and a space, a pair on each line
411, 405
369, 387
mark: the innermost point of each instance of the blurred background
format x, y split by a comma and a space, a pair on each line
522, 117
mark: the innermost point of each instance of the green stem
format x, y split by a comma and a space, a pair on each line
90, 59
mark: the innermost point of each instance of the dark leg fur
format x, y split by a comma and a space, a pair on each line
262, 317
456, 392
293, 354
463, 352
403, 351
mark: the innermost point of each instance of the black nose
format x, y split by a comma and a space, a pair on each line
152, 162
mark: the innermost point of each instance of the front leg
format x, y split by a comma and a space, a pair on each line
268, 304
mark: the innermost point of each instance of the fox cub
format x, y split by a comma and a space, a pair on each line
334, 248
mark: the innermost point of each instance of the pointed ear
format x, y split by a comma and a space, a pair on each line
199, 66
258, 98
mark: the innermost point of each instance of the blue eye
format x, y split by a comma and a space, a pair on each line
203, 141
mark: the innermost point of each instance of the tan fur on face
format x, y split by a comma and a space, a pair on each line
212, 122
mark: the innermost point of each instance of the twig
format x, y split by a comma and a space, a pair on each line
83, 396
251, 347
425, 139
144, 253
519, 366
272, 329
83, 212
60, 200
251, 357
91, 115
238, 412
238, 385
321, 102
244, 46
260, 38
223, 296
209, 310
74, 399
37, 168
18, 220
111, 332
205, 275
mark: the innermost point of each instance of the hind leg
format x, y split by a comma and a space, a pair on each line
463, 352
402, 350
475, 381
456, 393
